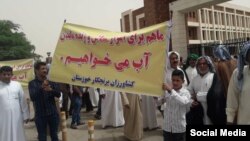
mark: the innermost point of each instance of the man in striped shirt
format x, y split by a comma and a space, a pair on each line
177, 100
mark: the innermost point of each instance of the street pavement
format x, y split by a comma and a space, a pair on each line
108, 134
100, 134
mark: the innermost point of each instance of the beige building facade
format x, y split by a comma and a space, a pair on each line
195, 22
217, 23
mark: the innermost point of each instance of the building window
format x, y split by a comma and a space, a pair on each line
194, 15
222, 18
127, 23
233, 20
227, 20
237, 20
215, 18
190, 15
192, 33
202, 16
225, 35
248, 22
243, 19
228, 35
217, 35
212, 35
210, 17
204, 35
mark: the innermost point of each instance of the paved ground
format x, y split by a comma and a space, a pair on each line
108, 134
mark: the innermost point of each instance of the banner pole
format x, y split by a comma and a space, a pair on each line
64, 126
91, 130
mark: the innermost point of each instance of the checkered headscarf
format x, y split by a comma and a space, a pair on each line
241, 63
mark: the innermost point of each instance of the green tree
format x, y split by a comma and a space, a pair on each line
13, 43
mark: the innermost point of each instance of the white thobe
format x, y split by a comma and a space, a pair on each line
112, 110
191, 73
175, 111
200, 86
149, 112
94, 96
14, 110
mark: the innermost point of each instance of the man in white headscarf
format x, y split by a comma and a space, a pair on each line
201, 83
206, 88
173, 63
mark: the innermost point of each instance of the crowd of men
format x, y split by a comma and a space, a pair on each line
203, 91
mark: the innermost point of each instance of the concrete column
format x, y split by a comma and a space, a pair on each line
220, 26
225, 22
179, 34
200, 26
206, 25
245, 27
213, 23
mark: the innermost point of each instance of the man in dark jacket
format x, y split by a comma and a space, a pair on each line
42, 93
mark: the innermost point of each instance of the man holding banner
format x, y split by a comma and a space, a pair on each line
42, 93
127, 62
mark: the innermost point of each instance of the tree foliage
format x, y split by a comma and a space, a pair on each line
13, 43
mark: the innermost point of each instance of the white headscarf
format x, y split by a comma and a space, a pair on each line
168, 59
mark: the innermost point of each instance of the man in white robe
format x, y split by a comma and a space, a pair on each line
149, 113
238, 96
173, 62
112, 109
201, 83
94, 96
133, 128
14, 108
191, 69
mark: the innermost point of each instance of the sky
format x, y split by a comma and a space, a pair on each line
42, 20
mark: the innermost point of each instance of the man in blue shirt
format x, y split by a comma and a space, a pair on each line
42, 93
